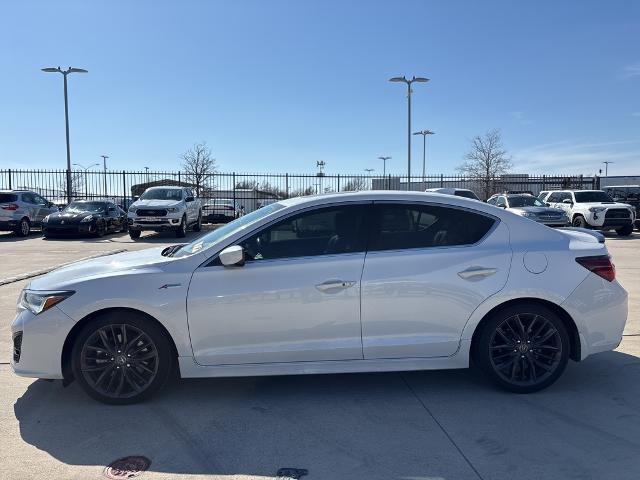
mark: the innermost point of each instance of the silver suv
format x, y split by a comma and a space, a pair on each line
165, 208
21, 210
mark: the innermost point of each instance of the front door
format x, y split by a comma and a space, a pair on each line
297, 298
427, 269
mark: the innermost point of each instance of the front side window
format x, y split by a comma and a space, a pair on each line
401, 226
323, 231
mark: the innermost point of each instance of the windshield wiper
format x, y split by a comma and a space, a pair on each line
171, 249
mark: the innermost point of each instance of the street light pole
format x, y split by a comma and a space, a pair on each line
384, 165
104, 166
424, 134
409, 82
66, 117
86, 184
606, 168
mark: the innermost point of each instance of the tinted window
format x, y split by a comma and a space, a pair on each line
29, 198
594, 196
79, 207
525, 201
466, 194
558, 197
8, 197
501, 202
397, 226
323, 231
492, 200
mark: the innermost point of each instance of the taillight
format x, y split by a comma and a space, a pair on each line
9, 206
600, 265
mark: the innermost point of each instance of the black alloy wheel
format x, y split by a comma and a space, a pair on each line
181, 231
524, 348
121, 358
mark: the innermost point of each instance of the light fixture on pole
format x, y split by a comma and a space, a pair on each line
384, 165
86, 169
104, 165
66, 117
606, 168
424, 134
409, 82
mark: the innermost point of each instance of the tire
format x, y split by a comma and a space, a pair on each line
125, 227
198, 226
24, 227
134, 234
579, 221
181, 231
516, 366
625, 231
117, 370
101, 229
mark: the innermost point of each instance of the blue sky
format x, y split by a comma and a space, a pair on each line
278, 85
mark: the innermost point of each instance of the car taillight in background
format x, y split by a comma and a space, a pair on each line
9, 206
600, 265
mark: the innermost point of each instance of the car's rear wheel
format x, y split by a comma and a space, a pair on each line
24, 227
181, 231
625, 231
579, 221
134, 234
523, 348
121, 358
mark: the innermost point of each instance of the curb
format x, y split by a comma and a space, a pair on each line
36, 273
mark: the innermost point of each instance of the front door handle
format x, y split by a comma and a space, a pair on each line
335, 285
476, 273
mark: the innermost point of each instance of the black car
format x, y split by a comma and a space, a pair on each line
629, 194
89, 217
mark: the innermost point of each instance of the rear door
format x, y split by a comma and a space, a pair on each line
428, 267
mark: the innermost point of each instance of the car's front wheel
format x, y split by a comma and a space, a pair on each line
134, 234
579, 221
523, 348
121, 358
181, 231
625, 231
198, 226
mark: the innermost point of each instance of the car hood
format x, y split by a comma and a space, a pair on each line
539, 210
155, 203
604, 204
108, 265
67, 217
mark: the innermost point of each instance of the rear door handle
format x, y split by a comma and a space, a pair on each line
333, 286
476, 273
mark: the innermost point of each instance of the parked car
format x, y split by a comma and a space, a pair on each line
220, 210
165, 208
458, 192
21, 210
594, 209
530, 207
357, 282
88, 217
629, 194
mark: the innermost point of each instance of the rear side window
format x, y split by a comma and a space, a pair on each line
8, 197
401, 226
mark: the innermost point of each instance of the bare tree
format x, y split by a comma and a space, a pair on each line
76, 185
198, 165
355, 184
486, 161
303, 192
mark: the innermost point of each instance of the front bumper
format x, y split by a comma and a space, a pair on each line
42, 339
154, 223
72, 229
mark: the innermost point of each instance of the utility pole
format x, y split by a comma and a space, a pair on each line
424, 134
606, 168
104, 166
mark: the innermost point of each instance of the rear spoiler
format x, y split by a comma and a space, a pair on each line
597, 235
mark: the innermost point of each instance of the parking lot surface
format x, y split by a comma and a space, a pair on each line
420, 425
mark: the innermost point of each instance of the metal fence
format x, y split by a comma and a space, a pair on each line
252, 190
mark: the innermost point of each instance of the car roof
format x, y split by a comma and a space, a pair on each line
166, 187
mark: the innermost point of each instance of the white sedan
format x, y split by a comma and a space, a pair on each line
357, 282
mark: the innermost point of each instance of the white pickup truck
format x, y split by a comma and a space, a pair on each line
165, 208
593, 209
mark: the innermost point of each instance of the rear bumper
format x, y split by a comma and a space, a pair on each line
8, 224
599, 308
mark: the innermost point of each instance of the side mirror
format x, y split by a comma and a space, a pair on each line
567, 201
232, 256
189, 199
547, 204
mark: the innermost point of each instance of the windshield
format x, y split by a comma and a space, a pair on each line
78, 207
593, 196
227, 230
525, 201
162, 194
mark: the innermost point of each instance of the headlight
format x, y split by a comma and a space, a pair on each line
37, 302
172, 210
132, 209
46, 219
597, 209
86, 219
529, 214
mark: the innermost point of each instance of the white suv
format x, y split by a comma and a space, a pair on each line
165, 208
593, 209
